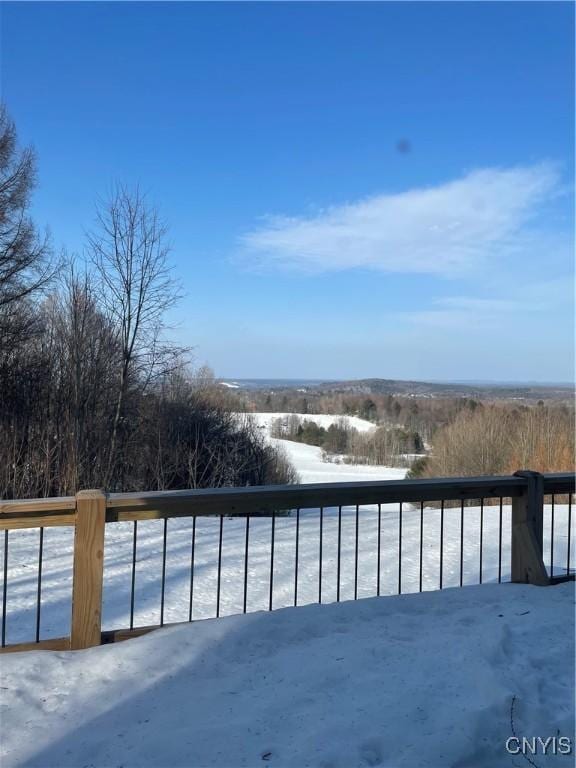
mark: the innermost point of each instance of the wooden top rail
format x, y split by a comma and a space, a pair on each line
257, 500
262, 499
34, 513
54, 504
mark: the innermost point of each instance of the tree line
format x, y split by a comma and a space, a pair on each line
499, 439
485, 439
92, 392
423, 415
462, 435
388, 446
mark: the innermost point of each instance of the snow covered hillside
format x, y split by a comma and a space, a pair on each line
322, 419
308, 462
418, 681
307, 459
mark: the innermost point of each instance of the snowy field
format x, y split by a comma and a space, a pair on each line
418, 681
322, 419
307, 459
179, 587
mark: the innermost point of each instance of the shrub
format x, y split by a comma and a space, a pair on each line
501, 440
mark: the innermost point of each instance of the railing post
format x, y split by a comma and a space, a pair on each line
88, 570
527, 532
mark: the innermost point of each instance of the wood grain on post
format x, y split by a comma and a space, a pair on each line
527, 532
88, 571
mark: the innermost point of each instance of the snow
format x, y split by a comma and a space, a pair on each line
322, 419
422, 681
307, 459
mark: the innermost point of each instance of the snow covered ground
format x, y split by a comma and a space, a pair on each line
418, 681
322, 419
307, 459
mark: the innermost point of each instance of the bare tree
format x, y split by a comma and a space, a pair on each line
24, 256
129, 251
90, 393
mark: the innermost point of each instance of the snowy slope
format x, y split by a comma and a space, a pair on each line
322, 419
418, 681
307, 460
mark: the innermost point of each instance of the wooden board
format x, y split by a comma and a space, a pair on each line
264, 499
55, 644
12, 521
56, 504
527, 532
88, 571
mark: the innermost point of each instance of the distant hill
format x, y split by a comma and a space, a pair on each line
447, 389
481, 391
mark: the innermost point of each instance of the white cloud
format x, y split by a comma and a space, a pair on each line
444, 230
525, 302
464, 313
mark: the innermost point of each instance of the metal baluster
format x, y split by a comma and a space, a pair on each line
246, 562
500, 545
272, 561
441, 542
39, 588
356, 555
133, 580
320, 556
569, 532
192, 553
296, 558
400, 550
379, 544
481, 534
461, 542
163, 572
5, 588
339, 553
219, 577
421, 542
552, 540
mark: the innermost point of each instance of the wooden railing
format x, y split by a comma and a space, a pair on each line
89, 512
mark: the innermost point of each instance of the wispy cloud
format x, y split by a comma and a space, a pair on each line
535, 300
463, 312
444, 230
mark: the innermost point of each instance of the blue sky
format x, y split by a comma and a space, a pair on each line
352, 189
